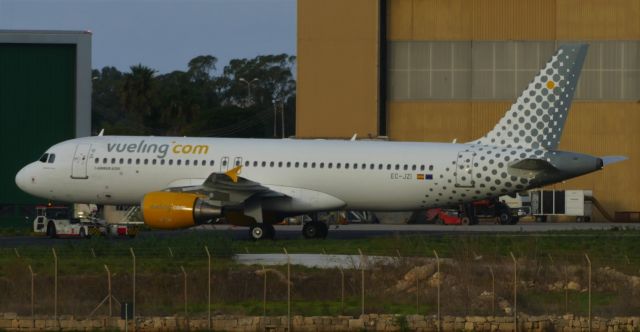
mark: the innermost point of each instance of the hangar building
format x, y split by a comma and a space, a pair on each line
45, 98
439, 70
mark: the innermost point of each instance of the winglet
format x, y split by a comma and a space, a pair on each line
233, 173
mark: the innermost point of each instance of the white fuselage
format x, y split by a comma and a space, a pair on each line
368, 175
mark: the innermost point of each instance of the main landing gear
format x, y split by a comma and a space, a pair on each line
315, 230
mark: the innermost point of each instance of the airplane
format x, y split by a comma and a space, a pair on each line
181, 182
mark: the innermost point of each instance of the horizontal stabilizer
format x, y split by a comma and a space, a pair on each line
533, 165
607, 160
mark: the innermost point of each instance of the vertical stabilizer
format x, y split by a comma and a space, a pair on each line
537, 117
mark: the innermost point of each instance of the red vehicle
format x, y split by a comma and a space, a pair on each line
469, 214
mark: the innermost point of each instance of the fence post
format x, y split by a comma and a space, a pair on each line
133, 301
435, 253
362, 278
264, 292
515, 292
208, 286
493, 292
417, 294
589, 264
288, 290
32, 291
55, 284
184, 274
109, 289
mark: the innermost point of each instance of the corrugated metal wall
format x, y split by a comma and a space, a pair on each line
602, 128
337, 68
606, 127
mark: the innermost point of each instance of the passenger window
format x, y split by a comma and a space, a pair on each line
397, 167
138, 161
96, 161
255, 164
161, 161
186, 162
129, 161
279, 164
246, 163
372, 166
338, 165
388, 166
288, 164
346, 165
264, 164
170, 162
321, 165
422, 167
413, 168
431, 167
313, 165
297, 164
304, 165
146, 161
211, 163
364, 166
104, 160
224, 162
153, 161
44, 158
406, 167
179, 162
355, 165
113, 160
271, 164
121, 161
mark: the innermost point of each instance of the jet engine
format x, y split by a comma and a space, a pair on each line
173, 210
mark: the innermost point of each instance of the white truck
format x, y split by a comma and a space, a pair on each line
57, 221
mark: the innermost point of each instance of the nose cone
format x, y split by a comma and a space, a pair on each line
22, 179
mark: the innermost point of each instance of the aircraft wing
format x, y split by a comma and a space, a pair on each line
229, 188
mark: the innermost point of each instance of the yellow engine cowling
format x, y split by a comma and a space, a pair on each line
172, 210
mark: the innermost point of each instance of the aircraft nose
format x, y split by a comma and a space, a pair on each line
22, 179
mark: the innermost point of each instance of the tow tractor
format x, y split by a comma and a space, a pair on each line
57, 221
469, 214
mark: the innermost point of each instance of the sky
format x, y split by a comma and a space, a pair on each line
163, 34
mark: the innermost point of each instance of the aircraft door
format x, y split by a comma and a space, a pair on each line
237, 161
224, 164
79, 163
464, 171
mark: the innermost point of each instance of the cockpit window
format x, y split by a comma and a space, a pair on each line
44, 158
52, 158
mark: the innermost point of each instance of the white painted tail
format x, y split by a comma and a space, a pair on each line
537, 118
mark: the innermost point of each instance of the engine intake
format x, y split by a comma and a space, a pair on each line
171, 210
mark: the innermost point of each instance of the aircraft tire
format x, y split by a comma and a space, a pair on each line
504, 218
258, 232
465, 221
51, 230
311, 230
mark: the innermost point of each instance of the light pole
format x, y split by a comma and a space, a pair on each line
242, 79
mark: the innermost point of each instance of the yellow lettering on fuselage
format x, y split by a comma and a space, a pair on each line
190, 149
